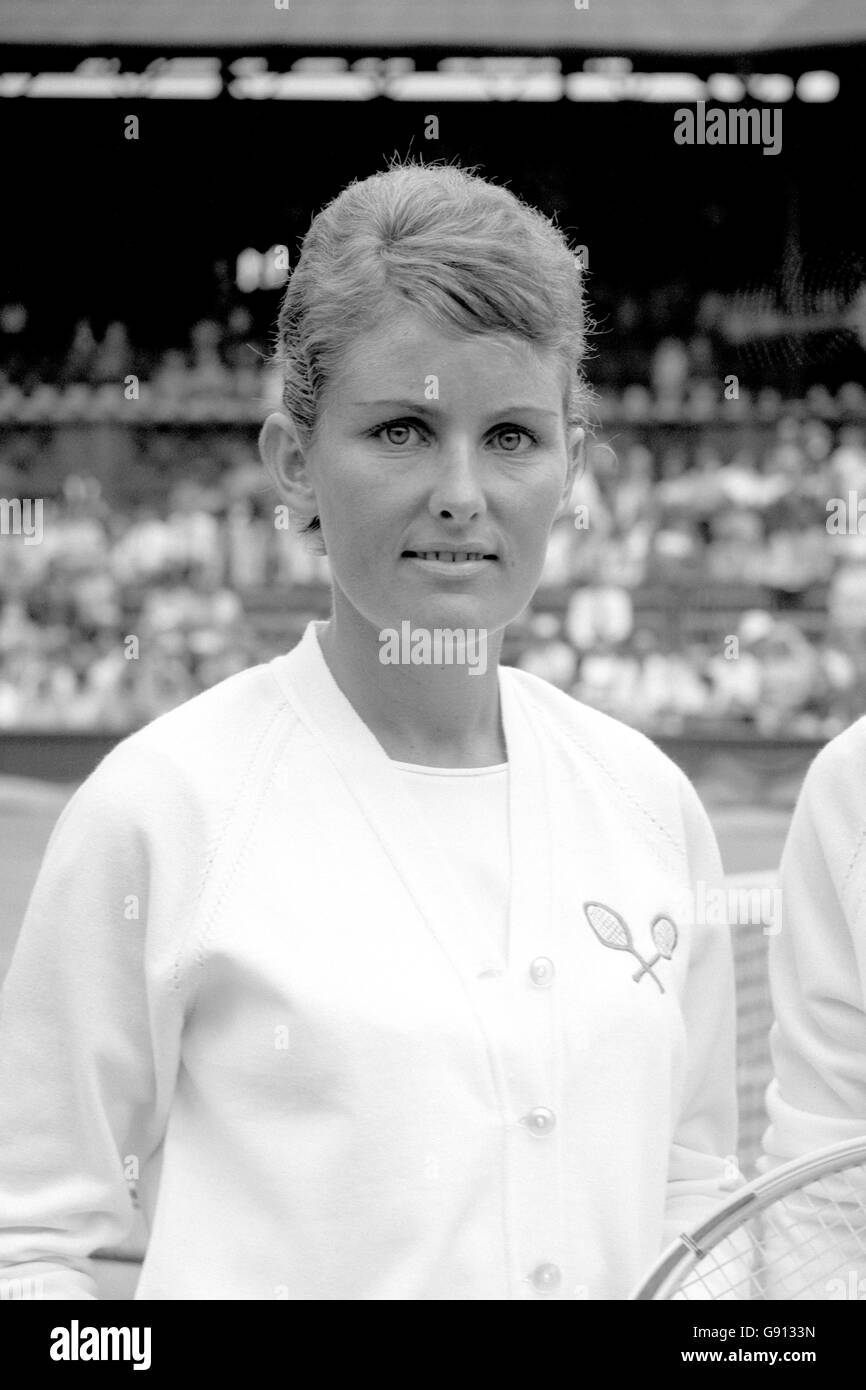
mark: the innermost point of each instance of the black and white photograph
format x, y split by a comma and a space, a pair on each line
433, 664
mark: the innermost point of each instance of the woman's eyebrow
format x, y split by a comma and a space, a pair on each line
425, 408
418, 406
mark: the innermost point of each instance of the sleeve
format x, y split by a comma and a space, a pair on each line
703, 1170
88, 1040
817, 963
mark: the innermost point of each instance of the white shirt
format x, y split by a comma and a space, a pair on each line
250, 975
466, 809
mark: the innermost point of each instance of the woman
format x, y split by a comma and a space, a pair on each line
817, 961
378, 966
817, 964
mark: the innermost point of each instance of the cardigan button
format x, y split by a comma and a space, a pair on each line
540, 1121
542, 971
545, 1278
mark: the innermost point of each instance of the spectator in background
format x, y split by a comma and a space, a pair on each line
677, 549
735, 554
798, 557
248, 538
14, 357
194, 532
606, 678
675, 487
674, 686
546, 654
848, 463
629, 364
790, 676
703, 369
742, 483
599, 613
145, 549
846, 598
669, 372
169, 382
79, 363
208, 378
634, 494
735, 675
649, 677
817, 440
636, 403
113, 358
237, 351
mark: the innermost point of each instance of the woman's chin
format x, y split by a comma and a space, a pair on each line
443, 611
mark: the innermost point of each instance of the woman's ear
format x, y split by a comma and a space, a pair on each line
283, 456
576, 464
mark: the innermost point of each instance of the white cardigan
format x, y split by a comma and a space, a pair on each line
245, 974
818, 960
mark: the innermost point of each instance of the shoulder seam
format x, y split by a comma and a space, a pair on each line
661, 829
624, 792
855, 855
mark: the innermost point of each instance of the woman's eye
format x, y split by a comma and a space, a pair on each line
396, 432
510, 437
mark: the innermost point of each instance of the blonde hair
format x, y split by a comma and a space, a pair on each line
468, 255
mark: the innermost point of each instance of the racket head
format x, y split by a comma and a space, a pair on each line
611, 929
664, 935
795, 1233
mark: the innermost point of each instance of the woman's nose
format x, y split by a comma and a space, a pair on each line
457, 487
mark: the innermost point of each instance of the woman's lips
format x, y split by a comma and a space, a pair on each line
449, 564
453, 557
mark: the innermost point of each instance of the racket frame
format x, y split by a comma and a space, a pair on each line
689, 1248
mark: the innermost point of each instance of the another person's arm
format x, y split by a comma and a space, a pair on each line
817, 961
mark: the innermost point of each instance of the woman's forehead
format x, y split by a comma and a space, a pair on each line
396, 358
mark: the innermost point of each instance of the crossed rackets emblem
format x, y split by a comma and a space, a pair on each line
613, 931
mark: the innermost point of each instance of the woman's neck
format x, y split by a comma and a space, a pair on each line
436, 715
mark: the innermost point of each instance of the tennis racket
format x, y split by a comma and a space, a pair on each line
798, 1232
664, 934
613, 931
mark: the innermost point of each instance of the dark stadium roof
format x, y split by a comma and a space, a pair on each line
711, 26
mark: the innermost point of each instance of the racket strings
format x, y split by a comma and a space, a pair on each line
798, 1263
808, 1244
726, 1271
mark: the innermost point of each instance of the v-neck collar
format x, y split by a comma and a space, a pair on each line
385, 799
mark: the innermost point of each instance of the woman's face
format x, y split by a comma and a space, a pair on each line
429, 443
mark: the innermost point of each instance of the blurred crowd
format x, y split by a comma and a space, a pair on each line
221, 372
694, 578
115, 617
766, 676
662, 626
